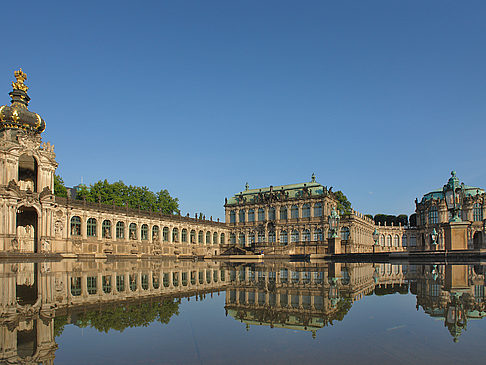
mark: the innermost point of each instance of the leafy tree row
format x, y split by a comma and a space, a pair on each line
344, 205
391, 219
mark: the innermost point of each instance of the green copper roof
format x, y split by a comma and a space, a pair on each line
453, 181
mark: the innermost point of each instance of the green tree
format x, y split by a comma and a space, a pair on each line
403, 219
134, 197
59, 187
413, 220
344, 205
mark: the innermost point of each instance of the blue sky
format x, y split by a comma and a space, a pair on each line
380, 99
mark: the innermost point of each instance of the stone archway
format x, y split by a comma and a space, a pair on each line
27, 230
478, 240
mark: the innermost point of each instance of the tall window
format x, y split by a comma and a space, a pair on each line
271, 237
241, 239
91, 227
251, 215
215, 238
175, 235
184, 235
75, 226
318, 234
283, 213
232, 216
193, 236
413, 240
318, 210
345, 233
165, 234
261, 237
306, 210
306, 235
106, 229
251, 238
396, 240
144, 232
477, 212
271, 214
200, 237
155, 233
382, 240
208, 238
433, 215
295, 236
132, 228
120, 230
242, 216
232, 238
222, 241
283, 238
294, 212
404, 240
388, 241
261, 215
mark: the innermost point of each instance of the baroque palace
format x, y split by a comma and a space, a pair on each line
299, 219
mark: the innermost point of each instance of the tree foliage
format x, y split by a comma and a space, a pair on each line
391, 219
134, 197
344, 205
59, 187
413, 220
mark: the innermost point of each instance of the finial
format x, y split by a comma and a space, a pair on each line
20, 76
313, 179
453, 173
247, 186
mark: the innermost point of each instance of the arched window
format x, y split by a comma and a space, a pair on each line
306, 235
477, 212
242, 216
345, 233
251, 238
221, 241
295, 236
251, 215
271, 214
433, 215
106, 229
200, 237
232, 238
261, 215
208, 238
396, 240
283, 238
241, 239
382, 240
306, 210
175, 235
271, 237
165, 234
294, 212
144, 232
318, 234
91, 227
193, 236
283, 213
132, 231
215, 238
75, 226
261, 237
155, 233
318, 210
232, 216
184, 235
388, 241
120, 230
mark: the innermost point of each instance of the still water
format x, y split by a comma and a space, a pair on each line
181, 312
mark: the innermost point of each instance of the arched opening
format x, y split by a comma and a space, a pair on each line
26, 285
27, 341
478, 239
26, 229
27, 173
106, 229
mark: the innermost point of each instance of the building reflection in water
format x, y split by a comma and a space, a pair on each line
37, 300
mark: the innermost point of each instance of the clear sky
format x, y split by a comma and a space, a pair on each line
381, 99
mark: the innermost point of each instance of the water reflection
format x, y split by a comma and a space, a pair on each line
38, 300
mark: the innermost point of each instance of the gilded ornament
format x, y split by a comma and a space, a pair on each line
15, 116
20, 76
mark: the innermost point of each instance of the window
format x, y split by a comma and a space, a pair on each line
306, 211
388, 241
283, 237
91, 227
132, 278
144, 232
232, 238
120, 283
413, 241
294, 212
382, 240
145, 281
271, 214
271, 237
75, 226
193, 236
345, 233
165, 234
477, 212
396, 240
251, 215
106, 229
261, 215
404, 240
132, 231
91, 284
232, 217
283, 213
241, 239
184, 235
175, 235
318, 210
155, 233
261, 237
306, 235
318, 234
76, 286
106, 284
120, 230
433, 215
200, 237
208, 238
251, 238
422, 218
242, 216
295, 236
155, 281
221, 241
215, 238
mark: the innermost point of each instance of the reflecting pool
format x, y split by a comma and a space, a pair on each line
211, 312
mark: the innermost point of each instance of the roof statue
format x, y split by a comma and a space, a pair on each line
247, 186
313, 178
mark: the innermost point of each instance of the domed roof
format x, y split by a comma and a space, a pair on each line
17, 116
